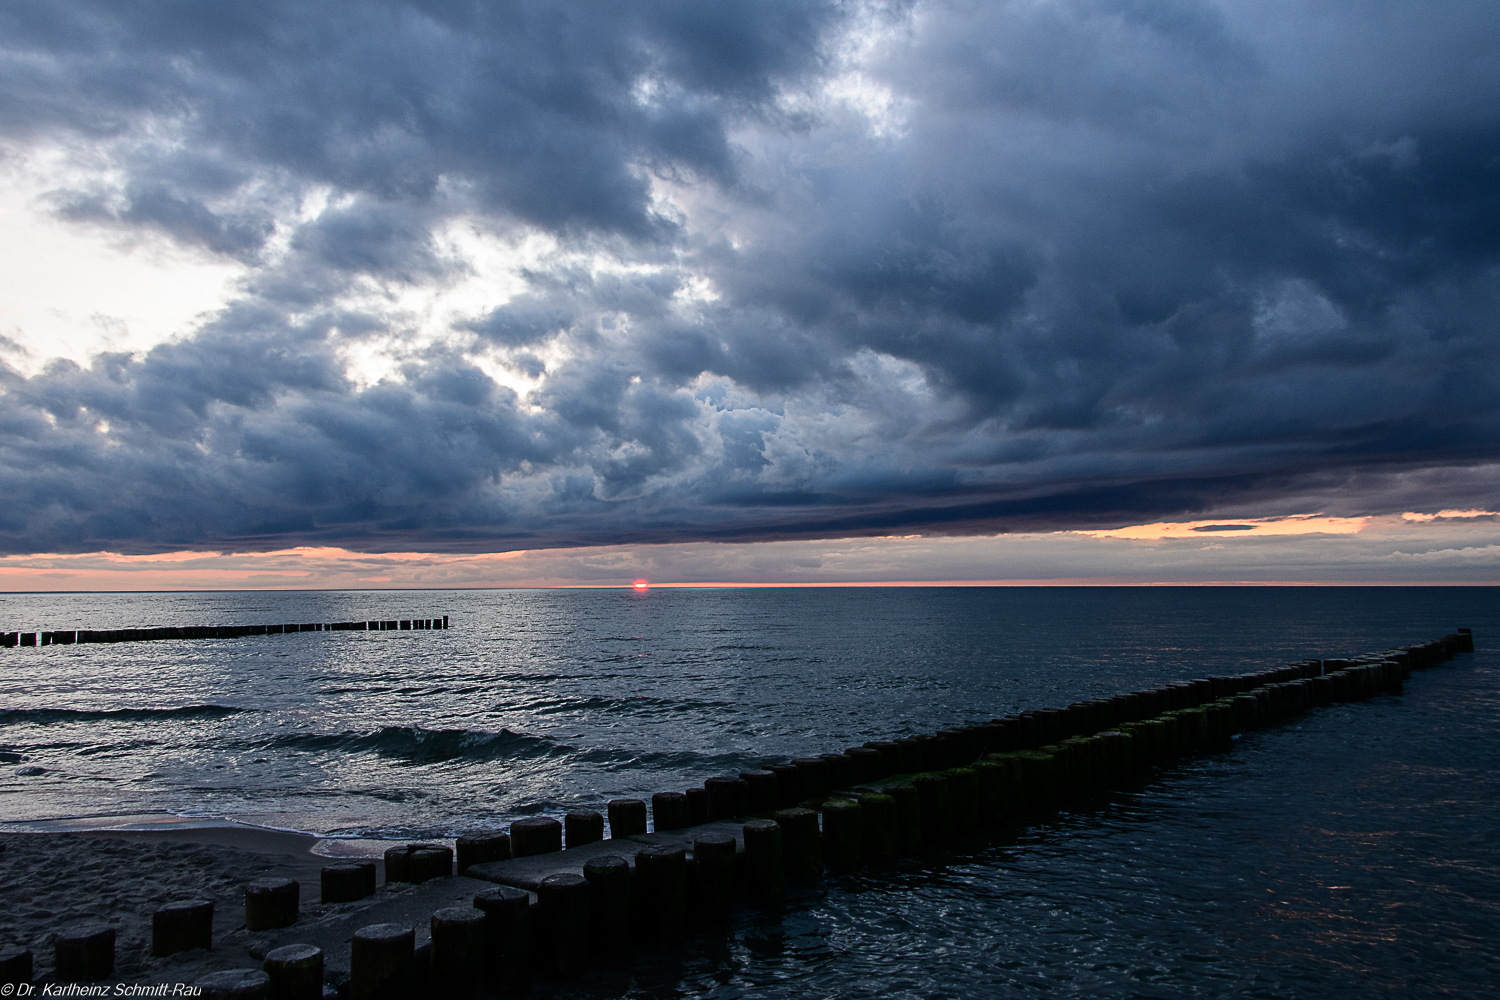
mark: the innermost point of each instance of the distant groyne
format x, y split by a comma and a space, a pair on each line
68, 637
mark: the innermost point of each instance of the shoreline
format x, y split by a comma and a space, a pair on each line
121, 877
50, 878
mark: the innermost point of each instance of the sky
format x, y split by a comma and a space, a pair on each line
562, 293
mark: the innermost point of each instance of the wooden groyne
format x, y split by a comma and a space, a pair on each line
553, 897
68, 637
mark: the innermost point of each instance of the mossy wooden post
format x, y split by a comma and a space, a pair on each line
1119, 755
1140, 750
1085, 766
908, 816
1037, 778
935, 808
1245, 711
1196, 721
765, 872
801, 844
991, 795
879, 818
1011, 790
1221, 727
963, 800
843, 834
1066, 771
1265, 707
1168, 739
1102, 760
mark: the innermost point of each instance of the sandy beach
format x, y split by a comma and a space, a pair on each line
48, 880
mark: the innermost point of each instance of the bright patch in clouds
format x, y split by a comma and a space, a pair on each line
1449, 513
1312, 524
73, 291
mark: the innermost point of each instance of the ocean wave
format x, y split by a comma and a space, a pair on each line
640, 705
51, 716
414, 745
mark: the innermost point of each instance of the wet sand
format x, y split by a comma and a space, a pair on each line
48, 880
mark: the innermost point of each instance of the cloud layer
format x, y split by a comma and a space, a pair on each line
1458, 549
537, 275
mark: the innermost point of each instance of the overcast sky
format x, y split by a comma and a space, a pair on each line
475, 277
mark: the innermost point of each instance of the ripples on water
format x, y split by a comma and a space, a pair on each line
1351, 854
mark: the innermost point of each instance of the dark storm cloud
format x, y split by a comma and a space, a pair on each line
1054, 264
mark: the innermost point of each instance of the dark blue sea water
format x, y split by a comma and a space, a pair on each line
1354, 853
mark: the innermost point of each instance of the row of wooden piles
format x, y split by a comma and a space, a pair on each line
742, 837
69, 637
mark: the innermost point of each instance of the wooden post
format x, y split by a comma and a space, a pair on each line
84, 952
295, 972
627, 818
381, 964
507, 932
182, 925
609, 910
765, 874
271, 903
843, 833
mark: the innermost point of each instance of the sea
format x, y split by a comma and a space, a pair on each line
1354, 852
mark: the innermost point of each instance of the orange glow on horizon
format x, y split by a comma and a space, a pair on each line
1412, 548
1225, 528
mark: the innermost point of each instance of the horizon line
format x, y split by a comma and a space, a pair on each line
1079, 582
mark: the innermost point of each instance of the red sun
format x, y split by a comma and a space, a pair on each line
641, 585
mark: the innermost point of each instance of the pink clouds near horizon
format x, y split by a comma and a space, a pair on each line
1452, 547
